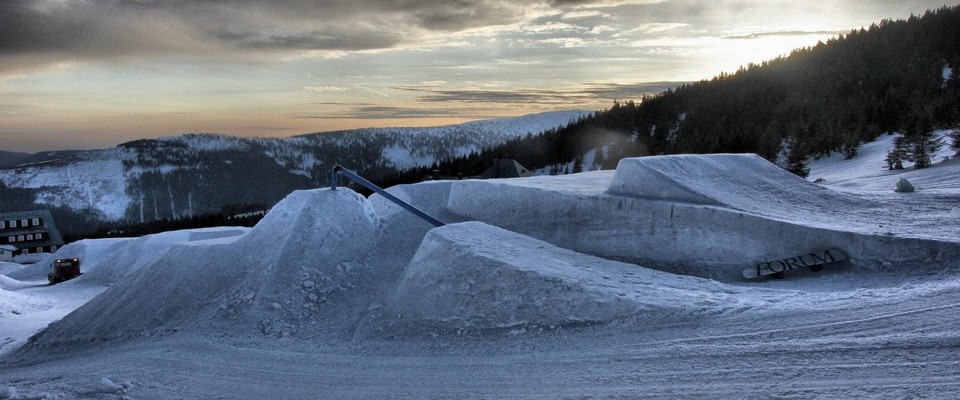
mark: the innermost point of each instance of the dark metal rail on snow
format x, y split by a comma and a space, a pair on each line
340, 170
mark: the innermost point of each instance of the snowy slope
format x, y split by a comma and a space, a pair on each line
868, 172
544, 287
91, 180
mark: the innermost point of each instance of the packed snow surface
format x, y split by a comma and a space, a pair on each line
604, 284
475, 276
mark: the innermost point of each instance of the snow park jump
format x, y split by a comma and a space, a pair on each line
546, 285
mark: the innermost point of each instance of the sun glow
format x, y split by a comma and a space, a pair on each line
737, 51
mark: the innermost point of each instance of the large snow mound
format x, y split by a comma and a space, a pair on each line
277, 279
745, 182
476, 276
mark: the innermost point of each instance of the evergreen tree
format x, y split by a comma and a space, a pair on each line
898, 154
796, 157
923, 141
955, 142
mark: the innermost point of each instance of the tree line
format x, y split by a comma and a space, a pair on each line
897, 76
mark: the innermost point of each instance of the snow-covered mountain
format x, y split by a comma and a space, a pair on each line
191, 174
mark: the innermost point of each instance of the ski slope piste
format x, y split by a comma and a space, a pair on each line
548, 251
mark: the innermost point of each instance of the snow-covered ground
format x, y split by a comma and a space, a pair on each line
606, 284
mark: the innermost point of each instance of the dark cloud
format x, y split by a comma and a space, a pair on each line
464, 14
13, 110
611, 91
520, 96
267, 128
21, 32
38, 32
390, 112
331, 39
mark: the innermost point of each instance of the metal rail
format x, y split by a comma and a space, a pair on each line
340, 170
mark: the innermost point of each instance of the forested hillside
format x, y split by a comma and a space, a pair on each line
895, 76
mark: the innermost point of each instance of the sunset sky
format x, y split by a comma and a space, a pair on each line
82, 74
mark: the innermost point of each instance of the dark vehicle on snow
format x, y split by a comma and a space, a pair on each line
64, 269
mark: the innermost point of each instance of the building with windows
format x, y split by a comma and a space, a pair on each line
30, 232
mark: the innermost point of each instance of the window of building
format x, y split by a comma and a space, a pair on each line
13, 224
36, 222
29, 236
20, 238
23, 223
3, 224
11, 239
53, 249
39, 236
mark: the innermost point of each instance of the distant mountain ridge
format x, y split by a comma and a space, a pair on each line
10, 158
192, 174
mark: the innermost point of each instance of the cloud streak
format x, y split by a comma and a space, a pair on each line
391, 112
372, 91
586, 94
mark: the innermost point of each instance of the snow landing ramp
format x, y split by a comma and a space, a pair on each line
473, 276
